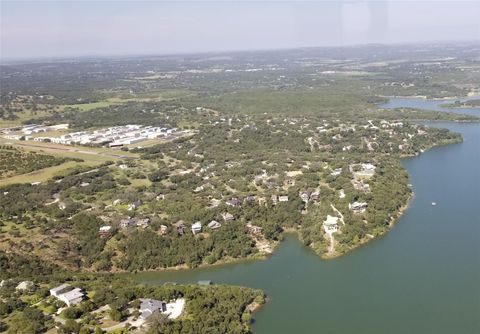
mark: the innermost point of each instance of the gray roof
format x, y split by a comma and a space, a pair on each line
148, 306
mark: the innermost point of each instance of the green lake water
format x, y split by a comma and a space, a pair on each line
421, 277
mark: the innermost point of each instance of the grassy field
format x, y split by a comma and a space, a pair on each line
90, 106
90, 156
41, 175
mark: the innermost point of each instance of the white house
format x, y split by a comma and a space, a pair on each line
59, 289
330, 225
214, 225
227, 217
25, 285
358, 207
72, 297
67, 294
196, 227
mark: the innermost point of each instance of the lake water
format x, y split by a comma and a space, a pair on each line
435, 105
421, 277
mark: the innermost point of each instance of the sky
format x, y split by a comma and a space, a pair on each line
31, 29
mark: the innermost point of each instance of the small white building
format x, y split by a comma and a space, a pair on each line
330, 225
196, 227
25, 285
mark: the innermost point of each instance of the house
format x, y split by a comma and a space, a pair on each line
59, 290
274, 199
134, 205
149, 306
233, 202
227, 217
254, 229
214, 225
315, 195
305, 196
180, 226
143, 222
25, 285
163, 229
250, 198
127, 222
359, 185
358, 207
336, 172
283, 198
196, 227
330, 225
365, 170
67, 294
105, 231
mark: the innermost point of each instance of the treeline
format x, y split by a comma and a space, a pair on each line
15, 161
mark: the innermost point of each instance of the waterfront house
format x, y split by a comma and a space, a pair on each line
204, 282
254, 229
149, 306
330, 225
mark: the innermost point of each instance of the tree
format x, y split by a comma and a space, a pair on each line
84, 330
72, 313
70, 326
31, 320
158, 320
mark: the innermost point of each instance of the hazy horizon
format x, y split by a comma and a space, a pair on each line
65, 29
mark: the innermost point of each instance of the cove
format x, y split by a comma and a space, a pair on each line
421, 277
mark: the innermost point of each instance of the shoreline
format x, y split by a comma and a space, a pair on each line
294, 230
393, 221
